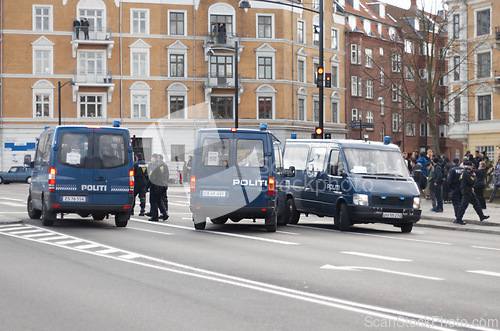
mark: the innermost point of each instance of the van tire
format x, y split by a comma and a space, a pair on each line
47, 217
291, 213
272, 222
1, 180
121, 219
219, 220
98, 217
344, 219
200, 226
33, 213
406, 227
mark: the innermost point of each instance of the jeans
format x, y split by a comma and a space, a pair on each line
495, 188
439, 196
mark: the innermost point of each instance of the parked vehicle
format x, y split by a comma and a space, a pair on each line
235, 175
16, 174
82, 170
352, 181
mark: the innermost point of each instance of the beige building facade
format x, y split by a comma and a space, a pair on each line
165, 69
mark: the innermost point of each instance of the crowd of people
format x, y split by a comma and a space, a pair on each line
459, 182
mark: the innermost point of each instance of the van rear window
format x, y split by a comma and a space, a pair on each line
215, 152
250, 153
92, 150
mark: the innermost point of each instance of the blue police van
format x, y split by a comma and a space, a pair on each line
82, 170
235, 175
352, 181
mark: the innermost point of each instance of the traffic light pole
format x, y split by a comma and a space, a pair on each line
321, 33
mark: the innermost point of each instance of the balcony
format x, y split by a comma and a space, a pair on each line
496, 84
95, 37
221, 41
496, 43
96, 78
221, 82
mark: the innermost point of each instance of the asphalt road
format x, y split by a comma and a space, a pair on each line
82, 274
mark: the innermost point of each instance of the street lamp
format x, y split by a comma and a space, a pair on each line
245, 4
59, 86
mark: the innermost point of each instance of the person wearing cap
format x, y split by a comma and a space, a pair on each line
467, 181
453, 181
141, 179
437, 184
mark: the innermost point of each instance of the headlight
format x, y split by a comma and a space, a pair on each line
360, 199
416, 203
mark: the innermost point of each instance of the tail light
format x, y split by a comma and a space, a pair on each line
271, 186
192, 184
131, 182
52, 179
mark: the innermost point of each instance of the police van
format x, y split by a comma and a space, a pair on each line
352, 181
235, 175
82, 170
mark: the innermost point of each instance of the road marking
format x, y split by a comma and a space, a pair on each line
356, 268
178, 204
380, 257
57, 237
485, 272
12, 199
107, 251
67, 242
8, 227
145, 230
87, 246
489, 248
130, 256
26, 231
13, 204
285, 232
44, 234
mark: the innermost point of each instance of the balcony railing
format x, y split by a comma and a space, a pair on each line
497, 32
221, 82
222, 39
93, 34
96, 77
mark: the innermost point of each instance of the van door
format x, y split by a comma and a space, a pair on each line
333, 182
314, 186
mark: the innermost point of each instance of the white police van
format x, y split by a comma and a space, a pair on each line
235, 175
82, 170
352, 181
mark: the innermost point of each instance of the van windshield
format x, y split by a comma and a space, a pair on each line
92, 150
375, 162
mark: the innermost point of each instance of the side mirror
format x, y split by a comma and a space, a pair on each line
32, 164
333, 169
291, 171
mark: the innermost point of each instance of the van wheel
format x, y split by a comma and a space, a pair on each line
219, 220
33, 213
1, 180
344, 220
406, 227
272, 222
200, 226
47, 217
291, 212
28, 180
98, 217
121, 219
199, 222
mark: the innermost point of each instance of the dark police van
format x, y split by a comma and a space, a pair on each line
234, 176
352, 181
82, 170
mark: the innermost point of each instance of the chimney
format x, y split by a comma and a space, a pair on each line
413, 3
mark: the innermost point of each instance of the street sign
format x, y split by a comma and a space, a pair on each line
356, 125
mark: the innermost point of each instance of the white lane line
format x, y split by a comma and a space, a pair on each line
67, 242
12, 199
28, 230
87, 246
152, 231
13, 204
57, 237
130, 256
107, 251
178, 204
485, 272
357, 268
45, 234
285, 232
488, 248
380, 257
9, 227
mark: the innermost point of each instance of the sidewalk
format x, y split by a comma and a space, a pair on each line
445, 219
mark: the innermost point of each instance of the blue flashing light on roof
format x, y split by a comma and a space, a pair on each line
116, 124
387, 140
263, 126
293, 136
46, 128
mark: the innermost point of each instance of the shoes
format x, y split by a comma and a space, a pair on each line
485, 217
459, 222
153, 219
141, 213
148, 214
438, 210
164, 217
432, 209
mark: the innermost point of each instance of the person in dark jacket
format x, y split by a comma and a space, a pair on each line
76, 28
85, 26
447, 165
419, 178
453, 181
467, 181
158, 181
480, 184
141, 179
437, 184
423, 161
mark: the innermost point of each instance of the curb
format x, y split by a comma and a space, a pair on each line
451, 227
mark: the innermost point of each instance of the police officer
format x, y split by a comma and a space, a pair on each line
453, 181
437, 184
141, 179
158, 177
467, 181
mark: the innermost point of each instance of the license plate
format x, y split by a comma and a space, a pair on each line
68, 198
392, 215
214, 194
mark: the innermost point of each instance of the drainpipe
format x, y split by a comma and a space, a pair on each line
194, 73
1, 82
121, 64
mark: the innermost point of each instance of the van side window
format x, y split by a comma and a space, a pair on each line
43, 149
112, 149
295, 156
278, 155
250, 153
334, 163
215, 152
316, 162
73, 149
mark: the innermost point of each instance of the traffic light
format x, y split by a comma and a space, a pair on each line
328, 136
319, 79
328, 80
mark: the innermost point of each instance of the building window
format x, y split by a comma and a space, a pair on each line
442, 105
382, 76
335, 39
315, 34
409, 73
43, 62
484, 64
265, 107
176, 65
395, 93
91, 66
139, 106
369, 58
221, 66
315, 110
96, 18
300, 71
396, 122
42, 105
176, 24
443, 132
140, 21
382, 107
335, 112
484, 107
264, 26
456, 68
177, 107
423, 130
301, 109
356, 86
409, 46
396, 62
301, 37
356, 115
91, 106
218, 30
177, 153
369, 89
489, 151
222, 107
42, 18
483, 21
335, 76
265, 67
355, 54
369, 116
458, 109
456, 26
410, 129
139, 64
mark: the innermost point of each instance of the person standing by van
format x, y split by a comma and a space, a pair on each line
141, 179
480, 184
158, 177
453, 181
437, 184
